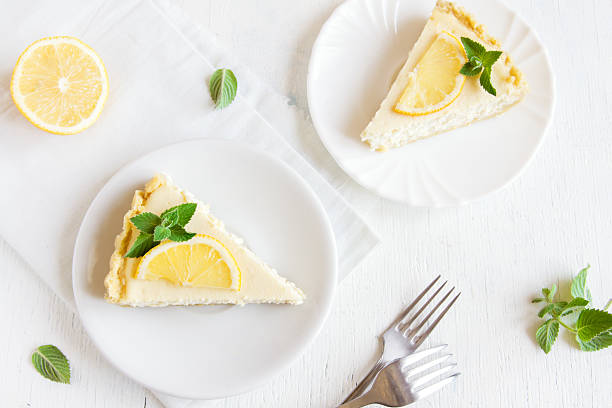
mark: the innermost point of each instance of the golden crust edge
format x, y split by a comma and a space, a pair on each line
114, 282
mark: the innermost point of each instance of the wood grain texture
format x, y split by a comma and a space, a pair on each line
499, 251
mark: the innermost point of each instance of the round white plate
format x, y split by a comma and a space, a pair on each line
354, 60
206, 352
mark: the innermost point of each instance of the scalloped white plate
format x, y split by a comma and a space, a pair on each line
354, 60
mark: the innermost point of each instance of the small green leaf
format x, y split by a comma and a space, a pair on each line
170, 219
146, 222
144, 242
547, 334
537, 300
468, 70
593, 322
184, 211
558, 307
607, 306
545, 310
472, 48
579, 288
574, 305
490, 57
223, 87
51, 363
546, 292
161, 233
178, 234
599, 342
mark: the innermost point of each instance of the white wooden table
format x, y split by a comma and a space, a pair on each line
500, 251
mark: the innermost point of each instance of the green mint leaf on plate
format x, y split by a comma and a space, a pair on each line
144, 242
161, 233
146, 222
547, 334
178, 234
223, 87
599, 342
51, 363
469, 70
579, 288
490, 57
184, 212
480, 61
485, 81
472, 48
591, 323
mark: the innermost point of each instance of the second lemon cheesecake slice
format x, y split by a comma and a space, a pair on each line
209, 265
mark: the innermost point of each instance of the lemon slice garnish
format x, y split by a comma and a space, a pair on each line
60, 85
435, 82
201, 262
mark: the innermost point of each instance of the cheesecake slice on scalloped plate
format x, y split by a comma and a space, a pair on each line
212, 267
405, 115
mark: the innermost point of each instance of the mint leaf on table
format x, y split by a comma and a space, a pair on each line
591, 327
223, 87
591, 323
578, 287
146, 222
51, 363
480, 61
144, 242
547, 334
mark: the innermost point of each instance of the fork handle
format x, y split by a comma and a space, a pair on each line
365, 383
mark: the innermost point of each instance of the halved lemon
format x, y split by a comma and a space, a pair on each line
60, 85
435, 82
201, 262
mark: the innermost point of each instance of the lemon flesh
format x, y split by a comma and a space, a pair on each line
435, 82
60, 85
202, 262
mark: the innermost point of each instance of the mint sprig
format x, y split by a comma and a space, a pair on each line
154, 229
592, 327
480, 61
51, 363
223, 87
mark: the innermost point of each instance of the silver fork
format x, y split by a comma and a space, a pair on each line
399, 384
401, 339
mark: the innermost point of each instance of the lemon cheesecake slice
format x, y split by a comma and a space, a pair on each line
209, 265
430, 96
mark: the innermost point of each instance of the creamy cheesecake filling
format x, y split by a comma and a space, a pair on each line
389, 129
259, 284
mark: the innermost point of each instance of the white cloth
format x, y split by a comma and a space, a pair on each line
158, 64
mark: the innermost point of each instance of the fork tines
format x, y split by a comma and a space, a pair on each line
408, 321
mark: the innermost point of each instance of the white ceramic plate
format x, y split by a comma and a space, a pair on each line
212, 351
354, 60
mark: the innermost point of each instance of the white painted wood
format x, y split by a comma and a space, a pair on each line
498, 251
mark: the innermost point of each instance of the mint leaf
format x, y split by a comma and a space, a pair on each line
223, 87
545, 310
144, 242
485, 81
578, 288
170, 219
537, 300
51, 363
574, 305
599, 342
469, 70
161, 233
184, 211
472, 48
591, 323
490, 57
178, 234
146, 222
547, 334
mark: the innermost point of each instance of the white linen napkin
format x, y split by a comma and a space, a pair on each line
158, 64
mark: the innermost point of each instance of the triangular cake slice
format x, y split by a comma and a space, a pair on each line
389, 129
259, 283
